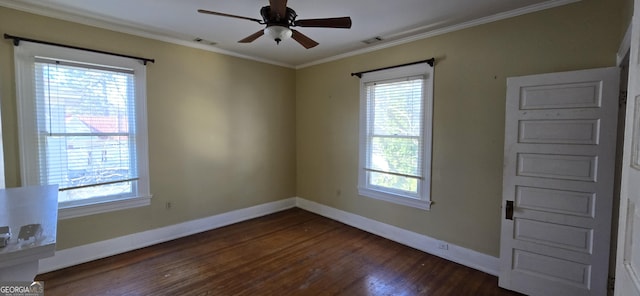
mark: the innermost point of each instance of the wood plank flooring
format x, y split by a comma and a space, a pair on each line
293, 252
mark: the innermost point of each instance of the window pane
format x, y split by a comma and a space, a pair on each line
397, 108
394, 182
96, 191
72, 99
397, 155
83, 160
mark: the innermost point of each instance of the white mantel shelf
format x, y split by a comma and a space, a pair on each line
22, 206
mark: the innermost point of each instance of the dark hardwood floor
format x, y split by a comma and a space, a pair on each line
293, 252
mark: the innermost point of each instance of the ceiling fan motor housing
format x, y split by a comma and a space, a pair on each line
278, 20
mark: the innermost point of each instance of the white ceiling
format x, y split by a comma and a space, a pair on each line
178, 21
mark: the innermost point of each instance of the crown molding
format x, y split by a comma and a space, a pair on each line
93, 20
449, 29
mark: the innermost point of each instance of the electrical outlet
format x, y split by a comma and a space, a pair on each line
443, 246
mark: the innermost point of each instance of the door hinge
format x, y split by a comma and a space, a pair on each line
611, 283
623, 97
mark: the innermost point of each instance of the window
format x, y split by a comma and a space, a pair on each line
82, 119
395, 135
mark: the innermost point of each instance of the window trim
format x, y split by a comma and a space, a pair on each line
24, 56
424, 202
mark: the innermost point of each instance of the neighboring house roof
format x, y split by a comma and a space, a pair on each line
105, 124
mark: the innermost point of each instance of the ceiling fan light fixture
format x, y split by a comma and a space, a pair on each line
278, 33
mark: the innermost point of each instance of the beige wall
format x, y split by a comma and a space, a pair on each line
221, 129
470, 85
627, 14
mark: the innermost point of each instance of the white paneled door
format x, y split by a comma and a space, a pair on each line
628, 253
559, 160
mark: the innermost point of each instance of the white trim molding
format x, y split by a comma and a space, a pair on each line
85, 253
103, 207
451, 252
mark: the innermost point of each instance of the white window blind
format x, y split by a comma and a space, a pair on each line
394, 137
86, 128
395, 132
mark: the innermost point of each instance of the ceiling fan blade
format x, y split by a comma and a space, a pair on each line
278, 9
252, 37
334, 22
303, 39
229, 15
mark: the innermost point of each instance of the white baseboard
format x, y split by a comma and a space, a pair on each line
85, 253
464, 256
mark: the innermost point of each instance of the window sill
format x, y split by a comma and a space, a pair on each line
397, 199
103, 207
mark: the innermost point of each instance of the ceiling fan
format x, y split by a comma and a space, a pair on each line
279, 19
